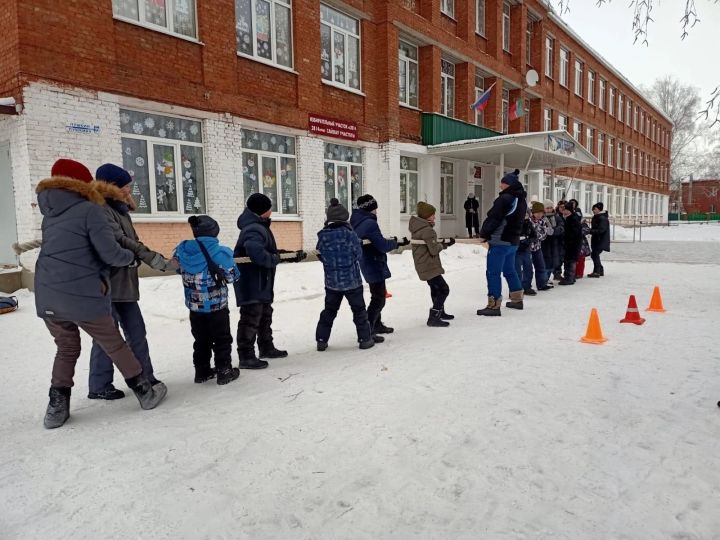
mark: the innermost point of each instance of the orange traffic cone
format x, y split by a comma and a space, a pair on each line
594, 332
632, 315
656, 303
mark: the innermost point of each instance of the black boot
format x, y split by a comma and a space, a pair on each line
148, 395
435, 320
378, 339
204, 374
227, 375
250, 361
516, 300
380, 328
322, 346
58, 409
446, 316
368, 344
493, 307
111, 393
594, 275
271, 352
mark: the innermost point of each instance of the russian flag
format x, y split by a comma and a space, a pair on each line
483, 100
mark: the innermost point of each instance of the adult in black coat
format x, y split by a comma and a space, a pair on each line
552, 245
72, 284
572, 242
600, 239
472, 219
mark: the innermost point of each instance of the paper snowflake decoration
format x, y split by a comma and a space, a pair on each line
124, 118
149, 123
162, 133
140, 162
138, 128
194, 129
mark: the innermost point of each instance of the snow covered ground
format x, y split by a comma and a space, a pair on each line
492, 428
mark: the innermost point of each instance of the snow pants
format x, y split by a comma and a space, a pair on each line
212, 335
501, 259
439, 291
255, 324
597, 263
376, 305
333, 299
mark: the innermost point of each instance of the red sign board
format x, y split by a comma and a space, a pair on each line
332, 127
478, 172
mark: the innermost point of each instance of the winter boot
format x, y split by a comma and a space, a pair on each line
593, 275
557, 276
446, 316
149, 396
380, 328
565, 281
250, 361
58, 409
530, 292
111, 393
367, 344
204, 374
271, 352
378, 339
322, 346
516, 300
435, 320
493, 307
227, 375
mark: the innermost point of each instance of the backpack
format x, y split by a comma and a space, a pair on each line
8, 304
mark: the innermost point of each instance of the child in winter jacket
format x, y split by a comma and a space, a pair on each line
543, 229
523, 257
426, 255
206, 268
340, 252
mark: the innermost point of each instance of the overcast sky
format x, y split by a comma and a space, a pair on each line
695, 60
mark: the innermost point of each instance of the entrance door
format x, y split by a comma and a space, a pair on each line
8, 226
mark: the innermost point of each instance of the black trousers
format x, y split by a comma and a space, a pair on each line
255, 323
597, 263
439, 291
377, 303
212, 335
570, 269
333, 299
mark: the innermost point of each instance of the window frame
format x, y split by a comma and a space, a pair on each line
611, 152
505, 111
253, 30
479, 115
564, 67
601, 148
590, 140
547, 119
529, 31
611, 101
445, 88
169, 16
451, 12
444, 177
506, 23
579, 79
602, 94
409, 208
336, 29
562, 122
407, 61
480, 22
351, 202
549, 55
591, 87
577, 131
621, 107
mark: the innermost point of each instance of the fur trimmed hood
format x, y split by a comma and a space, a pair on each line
85, 190
111, 192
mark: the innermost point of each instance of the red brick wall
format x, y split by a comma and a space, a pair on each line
705, 196
9, 54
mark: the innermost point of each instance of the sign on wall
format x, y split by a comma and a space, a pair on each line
478, 172
332, 127
83, 128
560, 145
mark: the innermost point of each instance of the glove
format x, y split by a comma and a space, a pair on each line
300, 255
403, 242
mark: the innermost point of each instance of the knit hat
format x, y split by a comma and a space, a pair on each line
425, 210
113, 174
511, 179
600, 206
548, 203
537, 206
258, 203
471, 195
336, 211
71, 169
204, 226
367, 202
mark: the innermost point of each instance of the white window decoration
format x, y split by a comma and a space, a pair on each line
447, 187
343, 174
263, 30
480, 17
164, 156
409, 185
269, 167
339, 48
174, 16
448, 7
506, 27
549, 56
408, 74
564, 66
578, 78
447, 86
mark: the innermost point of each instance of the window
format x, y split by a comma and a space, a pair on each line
547, 188
635, 117
408, 184
591, 87
601, 148
448, 7
177, 16
505, 110
618, 201
479, 89
164, 156
339, 48
547, 120
642, 122
578, 77
562, 122
634, 161
263, 30
590, 133
628, 152
603, 88
447, 186
447, 86
577, 131
564, 65
408, 74
611, 152
621, 107
611, 105
628, 112
506, 27
549, 56
528, 42
527, 116
589, 195
343, 174
269, 167
480, 17
619, 155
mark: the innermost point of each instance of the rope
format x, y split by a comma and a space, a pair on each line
21, 248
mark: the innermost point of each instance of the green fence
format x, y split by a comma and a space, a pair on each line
696, 216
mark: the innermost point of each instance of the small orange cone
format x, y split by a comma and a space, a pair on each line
594, 332
656, 303
632, 315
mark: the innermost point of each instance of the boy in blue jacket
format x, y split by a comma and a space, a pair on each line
206, 268
340, 252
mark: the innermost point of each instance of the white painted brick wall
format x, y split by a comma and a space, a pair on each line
311, 187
